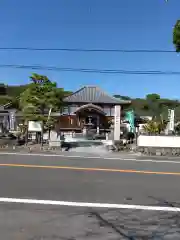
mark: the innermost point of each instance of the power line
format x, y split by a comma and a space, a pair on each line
88, 50
91, 70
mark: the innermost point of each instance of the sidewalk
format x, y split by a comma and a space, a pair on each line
87, 152
81, 152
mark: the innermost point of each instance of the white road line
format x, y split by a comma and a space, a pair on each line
62, 155
89, 205
90, 157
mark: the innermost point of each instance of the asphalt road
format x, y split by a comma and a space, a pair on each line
89, 180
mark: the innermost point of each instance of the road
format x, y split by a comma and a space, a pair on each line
58, 193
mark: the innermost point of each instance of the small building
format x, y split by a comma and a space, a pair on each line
89, 107
7, 117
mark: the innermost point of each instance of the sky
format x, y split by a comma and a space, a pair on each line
92, 24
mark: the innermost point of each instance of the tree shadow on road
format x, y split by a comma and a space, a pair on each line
139, 224
117, 224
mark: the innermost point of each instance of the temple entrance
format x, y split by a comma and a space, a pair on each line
91, 117
92, 121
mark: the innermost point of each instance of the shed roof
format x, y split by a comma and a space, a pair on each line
93, 94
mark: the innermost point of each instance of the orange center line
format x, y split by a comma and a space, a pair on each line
89, 169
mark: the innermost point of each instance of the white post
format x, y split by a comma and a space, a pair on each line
84, 131
117, 122
107, 137
97, 131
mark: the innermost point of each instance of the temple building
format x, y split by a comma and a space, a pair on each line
89, 108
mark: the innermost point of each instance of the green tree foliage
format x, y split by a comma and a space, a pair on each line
154, 105
151, 105
176, 36
3, 89
150, 127
39, 97
122, 97
177, 129
15, 91
10, 94
155, 127
5, 99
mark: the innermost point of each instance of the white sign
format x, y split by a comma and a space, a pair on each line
171, 120
117, 122
34, 126
12, 120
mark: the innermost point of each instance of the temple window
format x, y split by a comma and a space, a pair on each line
73, 108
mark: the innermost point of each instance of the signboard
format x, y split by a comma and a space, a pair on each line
12, 120
171, 119
117, 122
35, 126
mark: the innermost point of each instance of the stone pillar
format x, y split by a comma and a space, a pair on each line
117, 122
5, 123
107, 136
78, 121
12, 120
84, 131
97, 124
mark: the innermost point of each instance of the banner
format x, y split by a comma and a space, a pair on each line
130, 118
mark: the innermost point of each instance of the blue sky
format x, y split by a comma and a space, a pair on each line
120, 24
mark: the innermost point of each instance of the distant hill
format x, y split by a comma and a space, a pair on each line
142, 106
152, 104
10, 93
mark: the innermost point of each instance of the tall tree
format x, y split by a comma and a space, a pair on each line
39, 98
176, 36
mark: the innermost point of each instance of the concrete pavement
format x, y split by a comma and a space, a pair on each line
91, 180
32, 222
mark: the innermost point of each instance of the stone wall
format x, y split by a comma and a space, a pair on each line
159, 151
